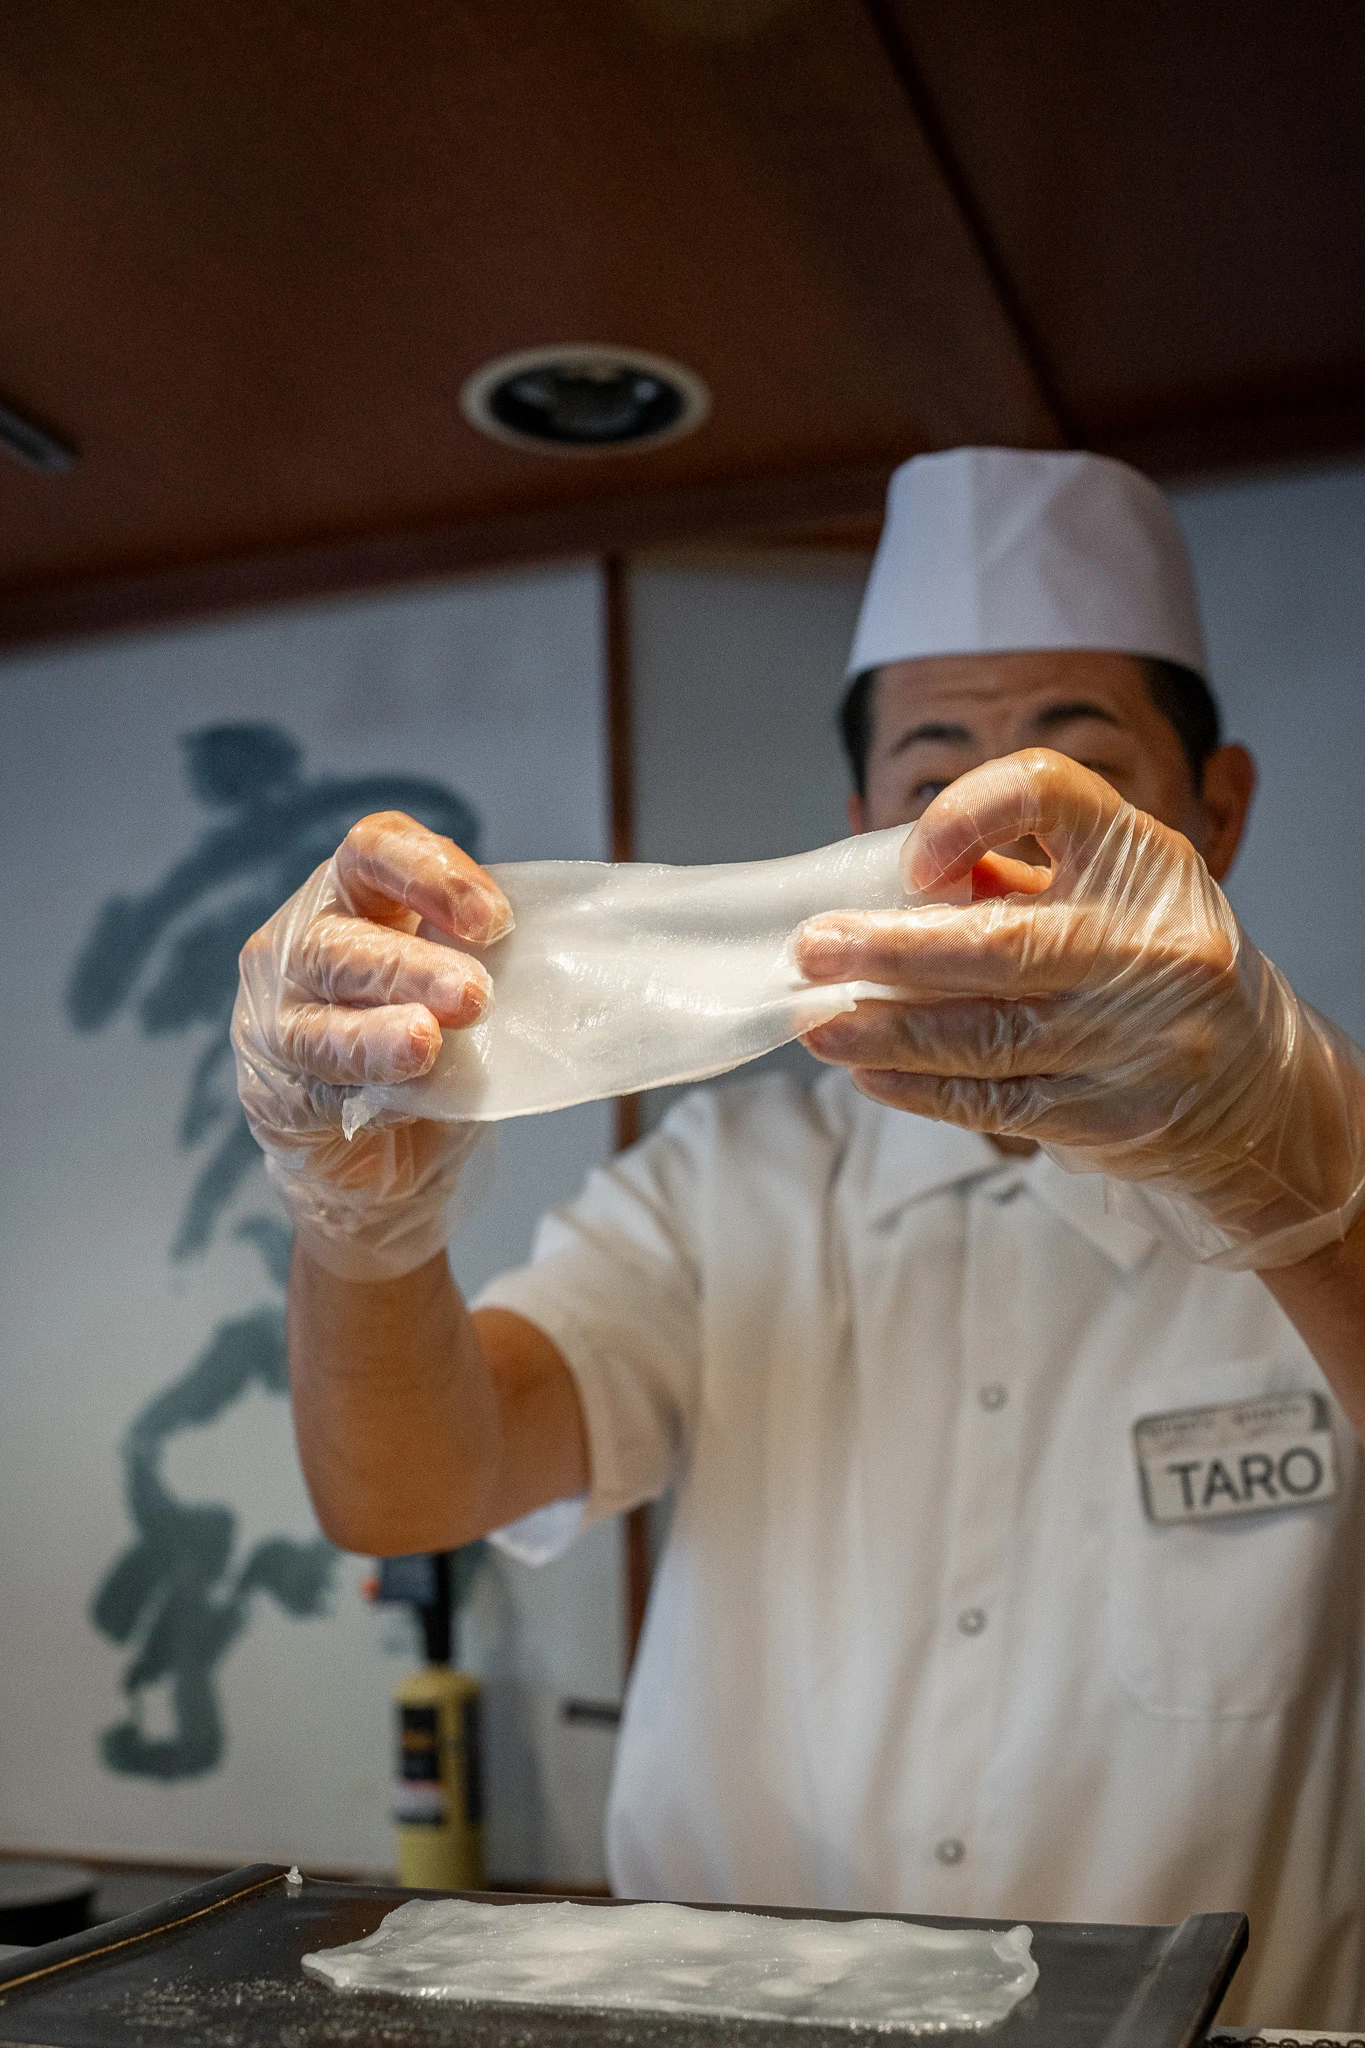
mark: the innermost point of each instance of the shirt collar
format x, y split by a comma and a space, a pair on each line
1085, 1201
910, 1157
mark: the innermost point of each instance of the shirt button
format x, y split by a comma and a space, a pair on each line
992, 1397
972, 1620
950, 1850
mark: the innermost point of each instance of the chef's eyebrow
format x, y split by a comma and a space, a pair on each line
933, 729
949, 733
1053, 715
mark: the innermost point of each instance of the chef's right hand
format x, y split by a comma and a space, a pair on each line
337, 991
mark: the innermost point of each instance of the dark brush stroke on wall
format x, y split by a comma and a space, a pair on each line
175, 1593
177, 1599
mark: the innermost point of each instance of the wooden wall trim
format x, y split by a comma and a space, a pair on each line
636, 1558
620, 760
177, 592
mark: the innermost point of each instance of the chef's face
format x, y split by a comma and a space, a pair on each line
936, 717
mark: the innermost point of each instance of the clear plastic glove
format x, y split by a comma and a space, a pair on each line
1111, 1008
338, 991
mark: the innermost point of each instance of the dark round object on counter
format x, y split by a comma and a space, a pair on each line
43, 1901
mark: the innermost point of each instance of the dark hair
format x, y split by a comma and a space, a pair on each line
855, 725
1186, 702
1180, 694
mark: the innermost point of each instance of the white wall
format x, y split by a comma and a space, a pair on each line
495, 687
1281, 570
735, 668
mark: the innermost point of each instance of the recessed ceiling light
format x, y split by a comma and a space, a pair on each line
31, 444
583, 399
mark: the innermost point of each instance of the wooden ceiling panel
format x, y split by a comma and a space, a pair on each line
1175, 190
252, 253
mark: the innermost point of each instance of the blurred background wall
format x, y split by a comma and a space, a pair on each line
493, 689
1281, 570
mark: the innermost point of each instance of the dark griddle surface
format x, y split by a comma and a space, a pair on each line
219, 1968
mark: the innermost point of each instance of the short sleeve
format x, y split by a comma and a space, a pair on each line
614, 1281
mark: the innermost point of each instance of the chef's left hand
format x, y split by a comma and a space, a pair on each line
1108, 1006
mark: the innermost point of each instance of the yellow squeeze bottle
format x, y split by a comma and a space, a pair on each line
438, 1793
438, 1801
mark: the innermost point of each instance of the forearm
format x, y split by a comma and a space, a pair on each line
1324, 1298
395, 1409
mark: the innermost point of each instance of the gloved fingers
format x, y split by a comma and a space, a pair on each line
1006, 947
1013, 1109
1034, 794
388, 867
974, 1040
352, 1047
300, 1119
282, 1108
342, 959
396, 1162
1196, 1041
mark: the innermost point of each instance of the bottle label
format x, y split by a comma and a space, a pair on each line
431, 1771
471, 1725
419, 1797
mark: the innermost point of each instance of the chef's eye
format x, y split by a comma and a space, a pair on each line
1112, 775
925, 792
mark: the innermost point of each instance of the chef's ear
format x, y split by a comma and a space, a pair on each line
1225, 795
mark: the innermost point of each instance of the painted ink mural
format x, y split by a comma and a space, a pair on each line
182, 1592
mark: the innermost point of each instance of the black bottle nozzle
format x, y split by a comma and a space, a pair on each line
427, 1583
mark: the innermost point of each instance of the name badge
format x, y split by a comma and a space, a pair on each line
1245, 1458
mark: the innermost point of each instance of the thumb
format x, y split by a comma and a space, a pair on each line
997, 875
1035, 793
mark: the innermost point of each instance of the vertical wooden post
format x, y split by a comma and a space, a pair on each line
621, 797
637, 1562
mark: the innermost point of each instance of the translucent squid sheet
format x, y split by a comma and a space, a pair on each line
881, 1974
624, 977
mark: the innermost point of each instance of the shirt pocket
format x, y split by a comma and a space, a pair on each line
1217, 1620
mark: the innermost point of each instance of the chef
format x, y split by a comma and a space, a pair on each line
1006, 1375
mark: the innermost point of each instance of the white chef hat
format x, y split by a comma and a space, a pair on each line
996, 550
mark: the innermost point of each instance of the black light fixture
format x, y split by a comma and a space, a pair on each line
584, 399
32, 445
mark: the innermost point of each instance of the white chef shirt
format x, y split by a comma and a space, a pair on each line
913, 1643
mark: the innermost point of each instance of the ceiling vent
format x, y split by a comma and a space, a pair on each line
582, 399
